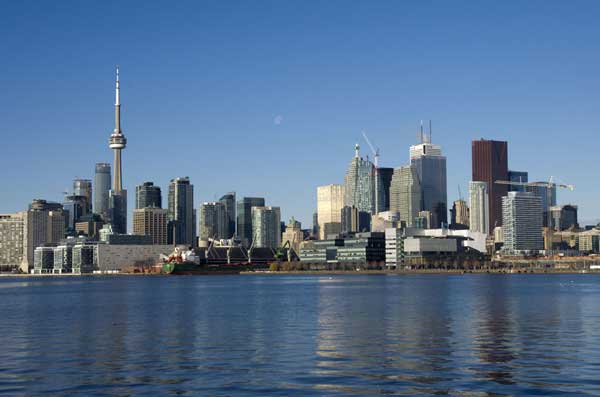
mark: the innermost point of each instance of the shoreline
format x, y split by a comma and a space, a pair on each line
332, 273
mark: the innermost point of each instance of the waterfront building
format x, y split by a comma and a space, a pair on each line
11, 241
153, 222
479, 210
43, 259
63, 259
490, 164
564, 217
228, 201
117, 197
244, 218
181, 218
520, 177
293, 234
266, 228
110, 258
147, 196
353, 220
43, 223
430, 167
382, 189
547, 196
363, 250
101, 190
460, 215
522, 223
359, 184
214, 223
405, 194
330, 200
83, 258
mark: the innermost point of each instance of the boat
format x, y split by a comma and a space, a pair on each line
188, 263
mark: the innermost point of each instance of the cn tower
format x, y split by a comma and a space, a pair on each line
118, 195
117, 140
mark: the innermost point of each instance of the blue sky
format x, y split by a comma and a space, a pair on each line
203, 84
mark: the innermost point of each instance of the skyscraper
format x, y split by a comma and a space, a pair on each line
44, 222
266, 227
11, 240
181, 212
564, 217
547, 196
479, 214
330, 200
151, 221
359, 184
148, 196
522, 223
405, 194
83, 187
354, 220
430, 166
490, 164
213, 221
384, 181
244, 218
228, 200
101, 190
118, 196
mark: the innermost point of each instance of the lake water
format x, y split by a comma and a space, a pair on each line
464, 335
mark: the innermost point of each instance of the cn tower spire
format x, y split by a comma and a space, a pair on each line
117, 140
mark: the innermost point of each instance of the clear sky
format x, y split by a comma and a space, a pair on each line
269, 98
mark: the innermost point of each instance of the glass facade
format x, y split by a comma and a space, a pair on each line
330, 200
359, 185
244, 218
101, 189
405, 194
148, 196
228, 200
181, 212
266, 227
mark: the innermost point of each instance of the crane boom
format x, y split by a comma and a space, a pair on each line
539, 184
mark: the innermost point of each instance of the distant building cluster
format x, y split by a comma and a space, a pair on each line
377, 217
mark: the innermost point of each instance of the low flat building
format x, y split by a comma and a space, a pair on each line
43, 260
362, 250
123, 257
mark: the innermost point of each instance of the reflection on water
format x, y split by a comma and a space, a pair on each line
471, 335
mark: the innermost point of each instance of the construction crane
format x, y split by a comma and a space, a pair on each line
376, 162
550, 185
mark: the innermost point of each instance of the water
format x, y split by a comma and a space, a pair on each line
465, 335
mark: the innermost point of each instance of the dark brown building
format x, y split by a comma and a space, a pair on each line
490, 164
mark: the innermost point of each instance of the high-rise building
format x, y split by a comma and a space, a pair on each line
405, 194
83, 187
522, 222
266, 228
479, 214
517, 177
359, 184
490, 164
228, 200
181, 212
101, 190
213, 221
564, 217
244, 218
75, 207
383, 182
330, 200
153, 222
460, 215
547, 196
353, 220
315, 228
430, 166
43, 223
147, 195
117, 198
11, 240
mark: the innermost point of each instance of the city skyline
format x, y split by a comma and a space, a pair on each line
545, 106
